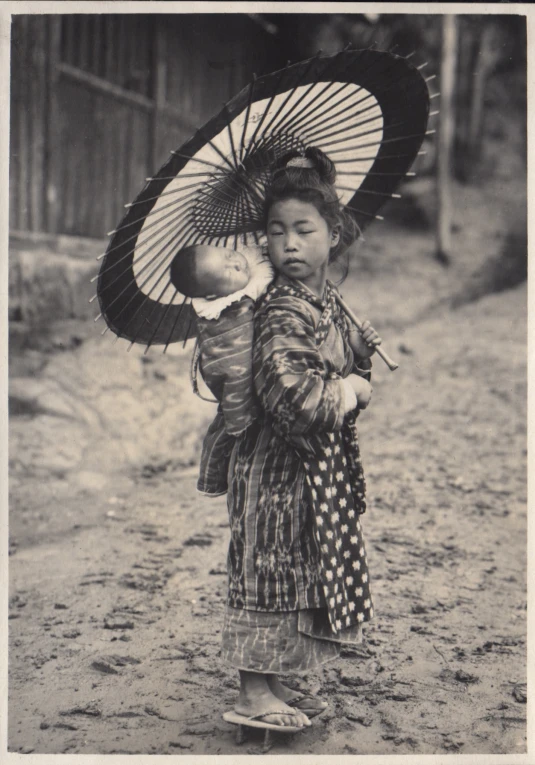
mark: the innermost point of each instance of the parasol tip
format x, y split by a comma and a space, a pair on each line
422, 65
430, 132
435, 95
378, 217
93, 279
111, 233
92, 299
432, 114
128, 204
97, 317
101, 256
428, 79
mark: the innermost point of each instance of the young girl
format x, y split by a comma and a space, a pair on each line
298, 580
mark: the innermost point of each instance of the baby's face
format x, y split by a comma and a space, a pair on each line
220, 272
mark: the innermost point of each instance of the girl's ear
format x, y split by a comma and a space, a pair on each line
335, 237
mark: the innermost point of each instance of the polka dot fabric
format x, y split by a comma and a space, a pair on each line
338, 503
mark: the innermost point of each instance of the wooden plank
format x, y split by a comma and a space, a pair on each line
96, 65
121, 42
108, 37
186, 122
37, 109
52, 160
103, 86
17, 70
159, 88
24, 137
84, 41
140, 155
68, 26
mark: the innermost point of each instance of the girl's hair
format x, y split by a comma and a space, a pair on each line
311, 178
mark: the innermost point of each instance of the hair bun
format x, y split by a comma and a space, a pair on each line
312, 159
322, 164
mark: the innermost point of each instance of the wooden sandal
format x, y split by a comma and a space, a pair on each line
256, 722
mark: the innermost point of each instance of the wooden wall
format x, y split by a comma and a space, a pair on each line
98, 102
28, 128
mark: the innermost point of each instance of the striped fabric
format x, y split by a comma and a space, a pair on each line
275, 558
225, 346
226, 361
295, 641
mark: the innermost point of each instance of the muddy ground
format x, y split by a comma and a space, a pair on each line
117, 567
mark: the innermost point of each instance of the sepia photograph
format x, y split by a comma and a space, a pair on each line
267, 325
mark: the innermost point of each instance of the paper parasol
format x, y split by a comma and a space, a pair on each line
366, 109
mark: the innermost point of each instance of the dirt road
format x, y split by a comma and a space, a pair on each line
117, 572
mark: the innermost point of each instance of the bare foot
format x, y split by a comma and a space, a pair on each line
310, 705
256, 699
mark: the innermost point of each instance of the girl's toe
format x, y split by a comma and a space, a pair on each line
303, 720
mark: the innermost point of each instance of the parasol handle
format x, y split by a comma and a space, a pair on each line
357, 322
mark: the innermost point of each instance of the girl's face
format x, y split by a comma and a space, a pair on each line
299, 240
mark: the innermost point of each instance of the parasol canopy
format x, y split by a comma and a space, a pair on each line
366, 109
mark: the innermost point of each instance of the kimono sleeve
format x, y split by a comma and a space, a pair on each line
361, 367
291, 378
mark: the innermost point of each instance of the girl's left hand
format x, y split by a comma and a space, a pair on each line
364, 341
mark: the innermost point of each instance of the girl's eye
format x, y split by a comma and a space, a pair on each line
275, 233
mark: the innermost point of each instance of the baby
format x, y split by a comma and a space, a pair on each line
224, 285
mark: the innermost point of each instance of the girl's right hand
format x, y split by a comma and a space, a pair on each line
362, 388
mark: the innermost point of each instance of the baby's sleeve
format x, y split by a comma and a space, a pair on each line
290, 375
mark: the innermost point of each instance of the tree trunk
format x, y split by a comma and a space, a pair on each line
485, 63
445, 138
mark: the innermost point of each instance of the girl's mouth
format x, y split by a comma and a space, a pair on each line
292, 262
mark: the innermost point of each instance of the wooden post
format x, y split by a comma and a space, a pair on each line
53, 127
445, 138
488, 55
159, 94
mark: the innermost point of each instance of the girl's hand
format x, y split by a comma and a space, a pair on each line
364, 342
362, 388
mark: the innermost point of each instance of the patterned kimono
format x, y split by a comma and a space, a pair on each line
296, 489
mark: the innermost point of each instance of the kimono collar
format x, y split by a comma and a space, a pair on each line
328, 306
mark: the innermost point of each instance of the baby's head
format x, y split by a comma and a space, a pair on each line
209, 272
